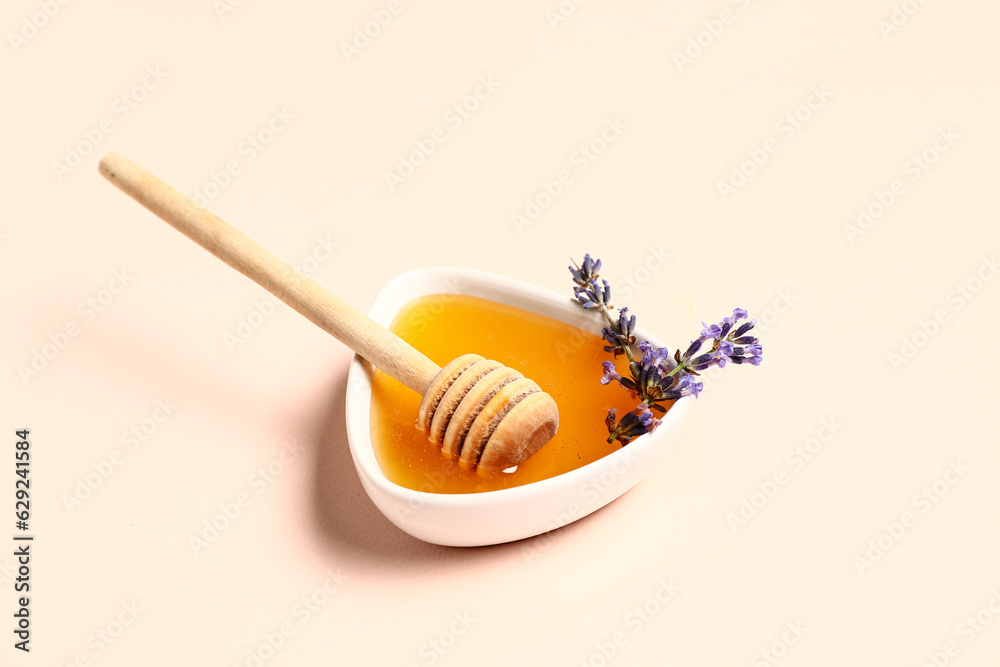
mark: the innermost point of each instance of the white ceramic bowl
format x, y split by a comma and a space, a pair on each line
493, 517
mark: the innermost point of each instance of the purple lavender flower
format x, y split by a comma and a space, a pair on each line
688, 386
582, 275
638, 422
710, 331
653, 356
749, 354
593, 295
705, 361
722, 329
626, 324
729, 344
619, 334
610, 373
693, 348
653, 378
656, 385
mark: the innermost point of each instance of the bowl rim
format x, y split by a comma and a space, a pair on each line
474, 283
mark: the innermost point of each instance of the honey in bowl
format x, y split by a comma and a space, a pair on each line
564, 360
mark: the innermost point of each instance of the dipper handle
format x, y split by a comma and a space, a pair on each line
378, 345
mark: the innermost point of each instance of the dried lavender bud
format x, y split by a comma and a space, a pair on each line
610, 420
638, 422
594, 296
619, 334
582, 275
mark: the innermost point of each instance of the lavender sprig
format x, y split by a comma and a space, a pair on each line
657, 377
730, 343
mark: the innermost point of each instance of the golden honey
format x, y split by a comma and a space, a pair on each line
564, 360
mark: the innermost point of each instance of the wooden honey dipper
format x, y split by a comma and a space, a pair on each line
488, 416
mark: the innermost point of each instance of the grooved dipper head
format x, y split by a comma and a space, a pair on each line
488, 416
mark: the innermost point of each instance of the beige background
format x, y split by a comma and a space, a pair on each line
838, 300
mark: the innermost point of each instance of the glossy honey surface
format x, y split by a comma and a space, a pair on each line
564, 360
